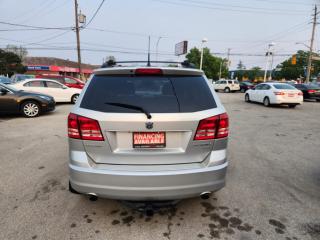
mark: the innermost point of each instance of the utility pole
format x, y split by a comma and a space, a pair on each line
204, 40
269, 52
149, 64
311, 44
223, 61
271, 67
220, 69
78, 35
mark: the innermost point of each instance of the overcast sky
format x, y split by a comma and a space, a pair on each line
121, 27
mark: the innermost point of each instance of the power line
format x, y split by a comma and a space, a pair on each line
39, 12
153, 53
94, 15
49, 38
226, 9
243, 7
34, 27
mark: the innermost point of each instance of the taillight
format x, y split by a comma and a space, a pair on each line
73, 126
279, 93
223, 129
148, 71
213, 127
300, 94
311, 91
84, 128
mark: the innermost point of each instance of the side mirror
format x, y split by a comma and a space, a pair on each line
3, 91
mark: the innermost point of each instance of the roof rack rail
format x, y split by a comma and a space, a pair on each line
112, 63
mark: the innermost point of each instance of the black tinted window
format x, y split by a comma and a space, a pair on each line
156, 94
259, 87
283, 86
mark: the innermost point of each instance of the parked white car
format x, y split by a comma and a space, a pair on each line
58, 91
275, 93
227, 85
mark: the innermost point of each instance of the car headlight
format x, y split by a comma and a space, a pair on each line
46, 97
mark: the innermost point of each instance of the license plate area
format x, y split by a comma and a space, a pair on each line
291, 95
149, 139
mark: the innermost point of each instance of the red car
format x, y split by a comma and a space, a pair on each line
66, 80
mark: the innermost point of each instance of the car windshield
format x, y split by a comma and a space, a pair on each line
247, 83
283, 86
155, 94
9, 87
5, 79
23, 77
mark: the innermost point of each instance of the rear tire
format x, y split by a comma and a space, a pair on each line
74, 98
30, 109
247, 98
318, 100
227, 90
266, 102
292, 106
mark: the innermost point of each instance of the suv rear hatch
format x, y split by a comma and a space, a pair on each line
121, 104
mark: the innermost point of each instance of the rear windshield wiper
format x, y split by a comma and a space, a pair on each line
140, 109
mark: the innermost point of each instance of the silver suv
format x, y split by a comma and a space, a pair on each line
146, 133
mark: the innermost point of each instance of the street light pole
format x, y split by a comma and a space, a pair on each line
204, 40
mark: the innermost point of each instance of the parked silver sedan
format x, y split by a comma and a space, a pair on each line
146, 133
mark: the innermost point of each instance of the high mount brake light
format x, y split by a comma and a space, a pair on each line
311, 91
148, 71
213, 127
84, 128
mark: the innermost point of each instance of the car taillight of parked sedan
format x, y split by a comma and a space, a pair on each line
279, 93
311, 91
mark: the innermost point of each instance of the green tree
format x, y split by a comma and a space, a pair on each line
20, 51
211, 63
286, 70
10, 63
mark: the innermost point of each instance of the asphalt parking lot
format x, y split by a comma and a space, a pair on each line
272, 192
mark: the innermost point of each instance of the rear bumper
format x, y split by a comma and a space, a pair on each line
288, 101
161, 185
313, 97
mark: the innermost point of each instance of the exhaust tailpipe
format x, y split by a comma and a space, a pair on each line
205, 195
93, 197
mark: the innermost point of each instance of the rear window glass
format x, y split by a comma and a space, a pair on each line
312, 86
283, 86
156, 94
34, 84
